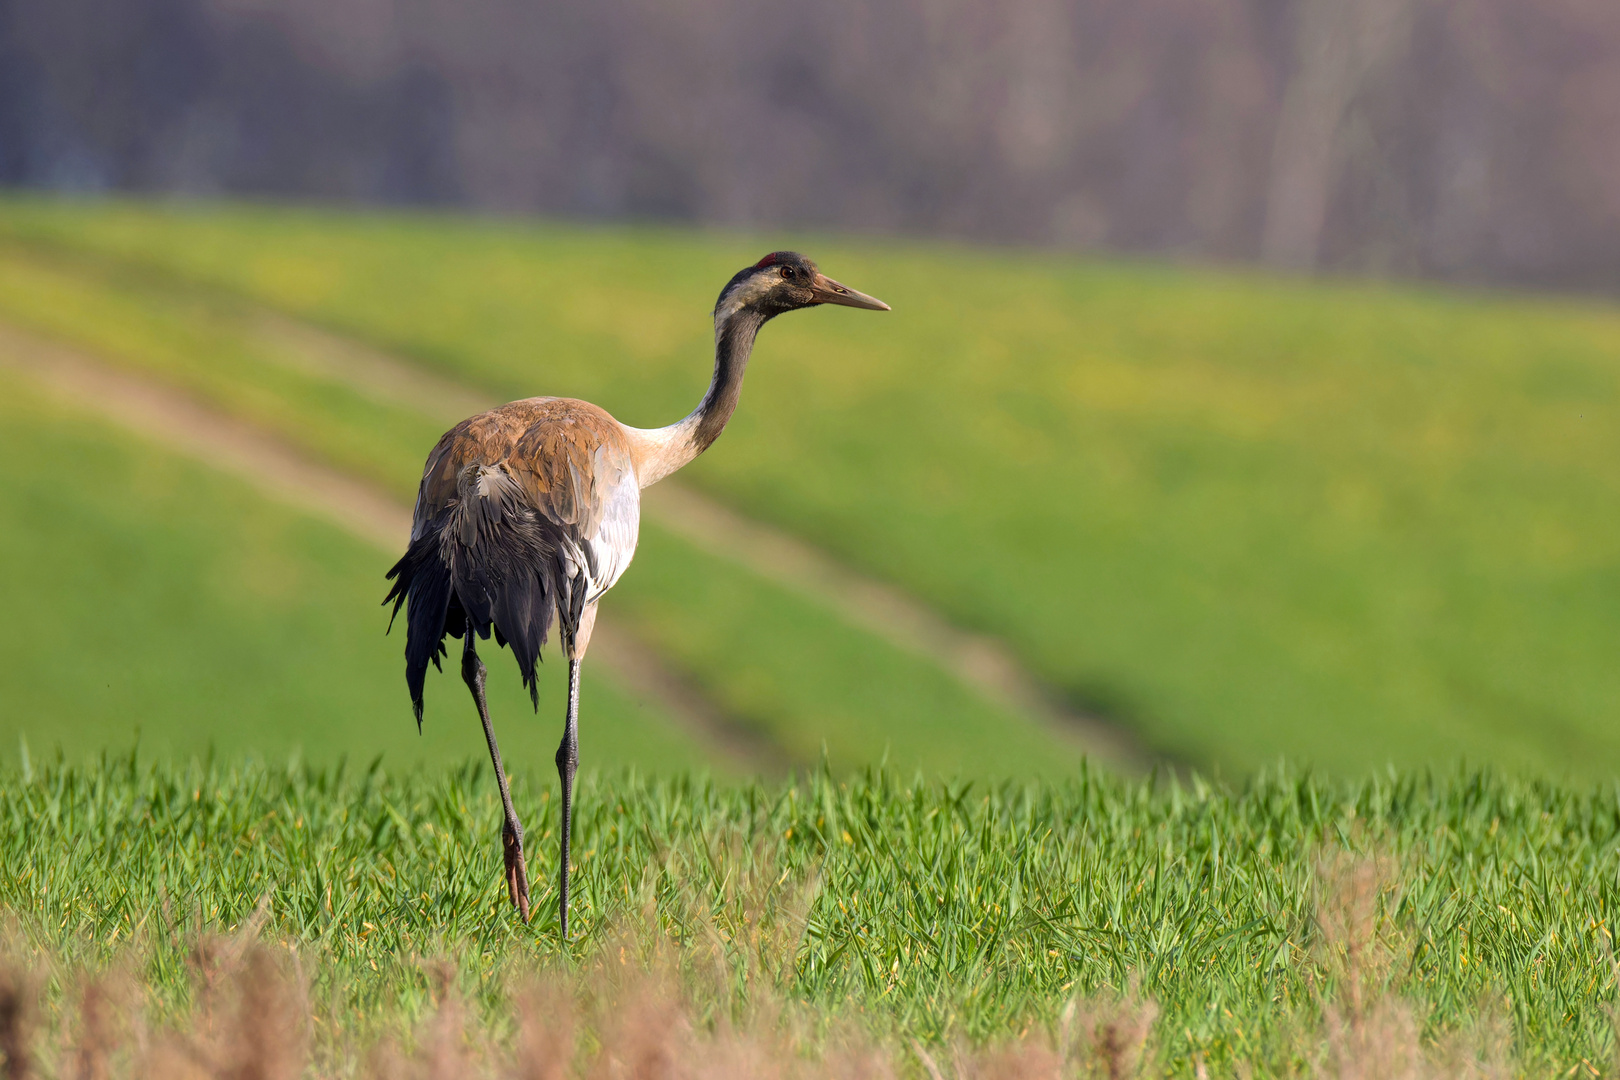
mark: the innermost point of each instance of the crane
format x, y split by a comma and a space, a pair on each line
529, 512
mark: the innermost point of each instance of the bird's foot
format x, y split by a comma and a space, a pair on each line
517, 872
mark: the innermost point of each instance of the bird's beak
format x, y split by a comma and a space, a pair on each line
828, 291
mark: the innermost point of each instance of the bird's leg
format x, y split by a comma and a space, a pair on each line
517, 874
567, 764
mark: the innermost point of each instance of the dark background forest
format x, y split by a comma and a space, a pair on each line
1459, 139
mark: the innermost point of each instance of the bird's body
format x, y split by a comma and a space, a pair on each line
527, 514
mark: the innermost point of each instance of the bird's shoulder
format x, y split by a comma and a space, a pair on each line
568, 457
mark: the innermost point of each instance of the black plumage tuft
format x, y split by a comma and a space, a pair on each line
489, 563
422, 587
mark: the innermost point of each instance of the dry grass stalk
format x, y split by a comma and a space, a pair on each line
547, 1026
1114, 1035
1483, 1052
1380, 1043
96, 1040
1021, 1061
107, 1010
17, 996
1367, 1032
645, 1036
385, 1062
1367, 1035
444, 1053
251, 1022
1355, 947
1106, 1037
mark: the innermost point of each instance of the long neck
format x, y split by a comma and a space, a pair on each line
663, 450
733, 343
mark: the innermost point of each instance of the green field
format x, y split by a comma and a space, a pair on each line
1464, 914
150, 598
1248, 518
792, 671
1349, 524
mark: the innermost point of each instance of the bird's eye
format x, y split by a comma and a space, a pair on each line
787, 272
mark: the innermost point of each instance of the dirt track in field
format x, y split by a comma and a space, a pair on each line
170, 418
982, 664
985, 665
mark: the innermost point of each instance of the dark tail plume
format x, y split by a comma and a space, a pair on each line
422, 587
490, 564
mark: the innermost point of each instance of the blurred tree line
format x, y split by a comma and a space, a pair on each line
1455, 138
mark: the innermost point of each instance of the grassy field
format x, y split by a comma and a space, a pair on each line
1340, 523
1349, 524
795, 673
1266, 928
150, 598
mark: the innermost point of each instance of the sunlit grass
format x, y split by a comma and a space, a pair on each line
914, 909
1349, 523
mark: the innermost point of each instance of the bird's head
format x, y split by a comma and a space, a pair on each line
783, 281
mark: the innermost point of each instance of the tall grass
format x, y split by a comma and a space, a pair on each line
1265, 924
